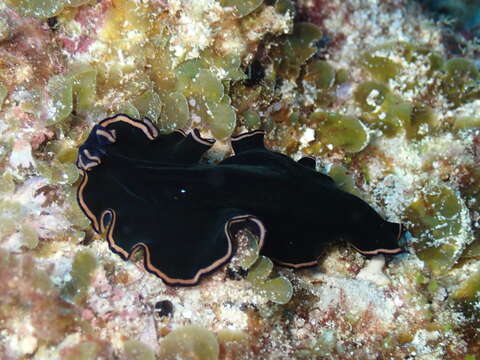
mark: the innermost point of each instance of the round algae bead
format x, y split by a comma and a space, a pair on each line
344, 181
149, 105
130, 110
248, 249
346, 132
381, 68
242, 7
29, 236
222, 120
260, 270
84, 264
3, 94
189, 342
136, 350
252, 119
7, 185
41, 9
369, 95
436, 219
175, 112
84, 87
278, 290
321, 73
61, 98
466, 122
469, 288
458, 68
207, 86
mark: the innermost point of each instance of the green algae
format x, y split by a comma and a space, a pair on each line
370, 95
9, 215
195, 80
296, 49
469, 288
382, 69
466, 122
84, 264
436, 221
3, 94
260, 270
285, 6
229, 335
86, 350
226, 64
189, 342
29, 236
84, 87
344, 181
460, 82
58, 173
206, 85
419, 120
220, 118
136, 350
242, 8
41, 9
73, 213
472, 251
175, 112
60, 89
149, 105
389, 114
251, 119
248, 249
345, 132
129, 109
278, 290
320, 73
7, 184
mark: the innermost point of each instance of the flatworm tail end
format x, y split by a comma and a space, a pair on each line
308, 161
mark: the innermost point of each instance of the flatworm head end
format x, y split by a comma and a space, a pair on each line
384, 238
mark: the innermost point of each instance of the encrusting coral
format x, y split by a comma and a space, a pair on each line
370, 88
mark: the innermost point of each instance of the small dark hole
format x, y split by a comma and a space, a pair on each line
164, 308
255, 73
53, 23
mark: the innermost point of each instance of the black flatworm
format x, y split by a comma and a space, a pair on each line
148, 191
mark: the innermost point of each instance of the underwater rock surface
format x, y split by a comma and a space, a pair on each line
372, 89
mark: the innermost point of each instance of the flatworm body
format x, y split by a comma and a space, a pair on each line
148, 191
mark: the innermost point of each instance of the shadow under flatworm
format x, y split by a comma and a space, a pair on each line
148, 191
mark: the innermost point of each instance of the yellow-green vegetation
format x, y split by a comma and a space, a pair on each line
61, 100
3, 94
460, 81
345, 132
242, 8
247, 249
60, 167
191, 342
435, 218
84, 264
296, 49
278, 289
84, 351
344, 181
136, 350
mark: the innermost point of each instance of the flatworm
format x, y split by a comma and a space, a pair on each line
148, 191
